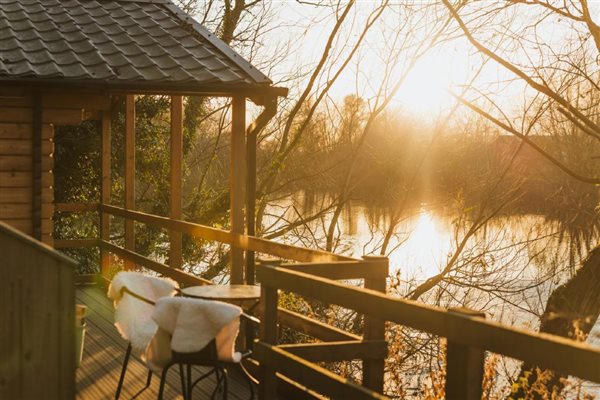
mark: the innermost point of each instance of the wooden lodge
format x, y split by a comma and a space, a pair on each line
61, 62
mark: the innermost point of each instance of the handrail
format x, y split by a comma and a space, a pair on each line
547, 351
243, 242
176, 274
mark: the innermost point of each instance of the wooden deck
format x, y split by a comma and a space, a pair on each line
104, 350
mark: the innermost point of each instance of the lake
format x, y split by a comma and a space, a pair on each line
507, 269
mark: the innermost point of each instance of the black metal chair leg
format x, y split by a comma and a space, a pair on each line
163, 379
190, 386
218, 384
148, 382
225, 389
149, 379
123, 370
184, 387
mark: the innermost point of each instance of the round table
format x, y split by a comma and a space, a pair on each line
235, 294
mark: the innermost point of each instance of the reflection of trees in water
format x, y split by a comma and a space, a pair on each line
508, 269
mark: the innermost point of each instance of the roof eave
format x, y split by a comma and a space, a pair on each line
137, 87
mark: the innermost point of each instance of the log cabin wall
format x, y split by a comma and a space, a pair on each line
26, 159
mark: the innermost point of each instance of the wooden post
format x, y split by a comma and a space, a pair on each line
269, 300
175, 256
464, 366
236, 184
105, 186
129, 173
250, 202
374, 329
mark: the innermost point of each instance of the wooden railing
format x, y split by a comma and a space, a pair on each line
468, 338
373, 270
291, 368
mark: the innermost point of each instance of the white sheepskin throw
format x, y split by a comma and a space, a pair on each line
133, 316
193, 323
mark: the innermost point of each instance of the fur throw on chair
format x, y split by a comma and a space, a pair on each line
133, 316
193, 323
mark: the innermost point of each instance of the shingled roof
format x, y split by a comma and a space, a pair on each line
119, 44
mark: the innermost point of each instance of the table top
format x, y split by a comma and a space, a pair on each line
223, 292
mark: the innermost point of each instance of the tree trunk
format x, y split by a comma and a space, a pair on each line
571, 311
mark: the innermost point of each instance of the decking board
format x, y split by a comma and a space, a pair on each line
104, 350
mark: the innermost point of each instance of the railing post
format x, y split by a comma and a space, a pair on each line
269, 300
129, 173
175, 238
250, 203
237, 178
105, 189
374, 329
464, 366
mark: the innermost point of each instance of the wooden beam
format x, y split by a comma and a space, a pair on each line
286, 388
374, 328
23, 163
310, 375
175, 238
250, 202
76, 207
268, 334
51, 115
76, 101
289, 252
464, 366
23, 131
338, 351
134, 258
22, 147
241, 241
75, 243
237, 177
312, 327
129, 173
105, 191
368, 269
189, 228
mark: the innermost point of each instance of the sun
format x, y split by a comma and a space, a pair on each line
425, 91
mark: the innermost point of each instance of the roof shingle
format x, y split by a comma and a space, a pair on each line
115, 42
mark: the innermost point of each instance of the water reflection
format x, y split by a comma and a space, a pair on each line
419, 247
508, 268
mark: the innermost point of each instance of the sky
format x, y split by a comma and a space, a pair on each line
425, 91
303, 29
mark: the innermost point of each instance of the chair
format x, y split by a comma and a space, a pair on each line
203, 333
134, 295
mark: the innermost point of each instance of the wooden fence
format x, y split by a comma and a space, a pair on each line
468, 335
37, 319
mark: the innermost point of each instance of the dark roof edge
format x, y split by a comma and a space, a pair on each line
152, 88
248, 68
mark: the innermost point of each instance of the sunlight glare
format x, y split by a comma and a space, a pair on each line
425, 248
424, 231
425, 91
